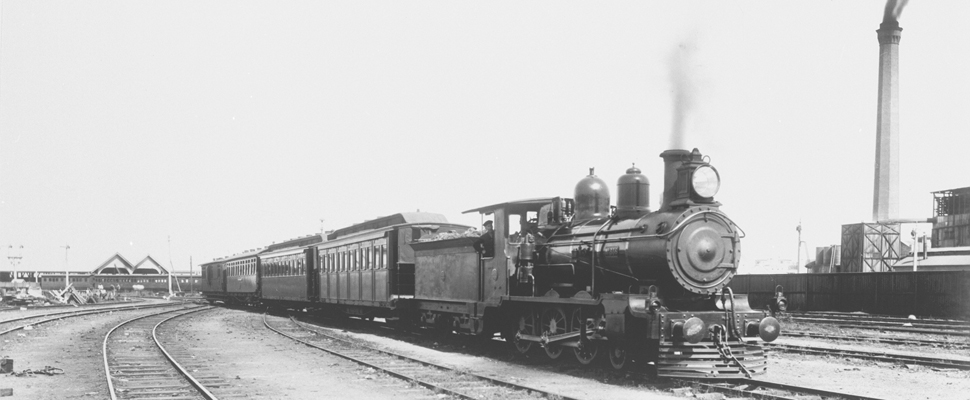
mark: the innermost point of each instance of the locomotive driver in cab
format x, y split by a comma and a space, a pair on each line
486, 243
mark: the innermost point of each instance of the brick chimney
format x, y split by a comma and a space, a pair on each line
885, 202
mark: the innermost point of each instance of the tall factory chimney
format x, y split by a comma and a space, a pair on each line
885, 204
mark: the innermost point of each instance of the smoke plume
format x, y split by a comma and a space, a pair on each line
683, 91
893, 9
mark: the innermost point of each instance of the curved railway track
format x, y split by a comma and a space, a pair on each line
138, 366
436, 377
42, 318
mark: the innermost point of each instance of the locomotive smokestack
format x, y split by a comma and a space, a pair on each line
673, 159
885, 202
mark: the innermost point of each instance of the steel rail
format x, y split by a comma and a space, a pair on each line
889, 340
71, 314
866, 355
185, 372
808, 390
866, 324
428, 385
8, 309
748, 388
104, 346
880, 317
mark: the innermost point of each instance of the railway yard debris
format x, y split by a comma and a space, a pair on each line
47, 370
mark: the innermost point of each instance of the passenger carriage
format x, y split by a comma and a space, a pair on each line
239, 276
366, 268
288, 271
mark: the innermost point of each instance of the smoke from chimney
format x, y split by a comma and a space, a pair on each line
684, 91
893, 10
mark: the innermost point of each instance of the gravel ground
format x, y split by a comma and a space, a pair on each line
868, 378
263, 365
73, 345
565, 378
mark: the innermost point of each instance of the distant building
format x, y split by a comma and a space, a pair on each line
117, 272
118, 265
951, 218
942, 259
950, 241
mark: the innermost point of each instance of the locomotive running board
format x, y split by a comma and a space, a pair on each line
702, 360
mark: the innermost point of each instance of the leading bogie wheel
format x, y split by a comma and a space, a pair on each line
554, 323
618, 356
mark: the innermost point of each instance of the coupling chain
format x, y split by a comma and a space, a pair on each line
719, 332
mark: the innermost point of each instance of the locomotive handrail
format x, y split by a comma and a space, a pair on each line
629, 238
595, 252
676, 228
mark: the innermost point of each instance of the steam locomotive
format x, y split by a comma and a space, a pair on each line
579, 275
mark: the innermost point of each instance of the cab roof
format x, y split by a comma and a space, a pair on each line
515, 206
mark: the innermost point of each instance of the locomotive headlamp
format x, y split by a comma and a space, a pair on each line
705, 181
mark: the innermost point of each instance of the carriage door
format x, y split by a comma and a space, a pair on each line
312, 278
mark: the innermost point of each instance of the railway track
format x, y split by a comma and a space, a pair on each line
883, 318
766, 390
435, 377
933, 362
861, 321
55, 316
874, 339
138, 366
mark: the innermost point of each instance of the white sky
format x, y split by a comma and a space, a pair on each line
228, 125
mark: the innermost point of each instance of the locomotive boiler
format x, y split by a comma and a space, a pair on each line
688, 247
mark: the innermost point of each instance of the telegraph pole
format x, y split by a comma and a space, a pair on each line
798, 264
915, 250
67, 266
170, 267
